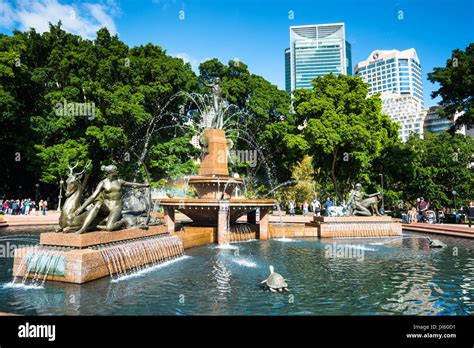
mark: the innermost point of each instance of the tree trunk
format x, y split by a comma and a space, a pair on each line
333, 173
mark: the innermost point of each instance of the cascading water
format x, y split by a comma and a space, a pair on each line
124, 259
243, 232
38, 263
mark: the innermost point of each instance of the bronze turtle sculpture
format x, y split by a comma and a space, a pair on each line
436, 243
275, 281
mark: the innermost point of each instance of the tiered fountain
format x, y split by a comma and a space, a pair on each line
215, 212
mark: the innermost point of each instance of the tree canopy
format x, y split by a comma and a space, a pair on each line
456, 90
342, 128
65, 99
127, 89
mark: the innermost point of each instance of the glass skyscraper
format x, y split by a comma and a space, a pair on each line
393, 71
316, 50
396, 75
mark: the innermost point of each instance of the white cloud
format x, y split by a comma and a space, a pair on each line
7, 15
82, 19
189, 59
165, 4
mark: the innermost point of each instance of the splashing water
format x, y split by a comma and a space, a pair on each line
38, 263
133, 258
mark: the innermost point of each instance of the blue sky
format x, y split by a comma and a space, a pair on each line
257, 32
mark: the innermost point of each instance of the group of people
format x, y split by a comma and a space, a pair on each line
315, 205
25, 206
305, 207
421, 213
463, 214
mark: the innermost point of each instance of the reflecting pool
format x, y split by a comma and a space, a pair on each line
399, 276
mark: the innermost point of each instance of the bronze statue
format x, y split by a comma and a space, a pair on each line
360, 202
107, 202
217, 121
68, 221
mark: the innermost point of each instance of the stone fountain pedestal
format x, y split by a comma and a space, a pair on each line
215, 210
79, 258
356, 226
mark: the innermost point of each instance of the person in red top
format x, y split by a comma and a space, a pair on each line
422, 207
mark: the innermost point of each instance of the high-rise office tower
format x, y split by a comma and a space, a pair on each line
394, 72
396, 75
316, 50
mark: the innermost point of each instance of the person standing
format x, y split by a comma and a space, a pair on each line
412, 216
292, 208
470, 213
328, 205
33, 208
422, 208
317, 207
27, 206
44, 206
305, 208
441, 216
457, 214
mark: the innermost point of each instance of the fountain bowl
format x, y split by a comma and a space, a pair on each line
214, 187
204, 211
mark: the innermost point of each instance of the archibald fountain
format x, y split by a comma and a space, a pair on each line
216, 211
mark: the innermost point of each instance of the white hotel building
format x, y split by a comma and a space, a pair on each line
397, 77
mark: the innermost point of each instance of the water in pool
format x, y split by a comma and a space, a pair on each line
391, 276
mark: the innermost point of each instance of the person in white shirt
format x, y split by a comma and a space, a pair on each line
316, 206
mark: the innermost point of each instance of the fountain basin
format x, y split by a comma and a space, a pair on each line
204, 212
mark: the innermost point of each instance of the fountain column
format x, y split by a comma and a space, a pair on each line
223, 222
263, 224
215, 160
169, 218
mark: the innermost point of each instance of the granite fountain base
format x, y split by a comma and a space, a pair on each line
355, 226
73, 258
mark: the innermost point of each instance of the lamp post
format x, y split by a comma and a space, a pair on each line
381, 181
37, 192
61, 183
454, 195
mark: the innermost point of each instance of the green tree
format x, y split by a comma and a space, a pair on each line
342, 128
440, 164
135, 93
395, 163
304, 187
456, 81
